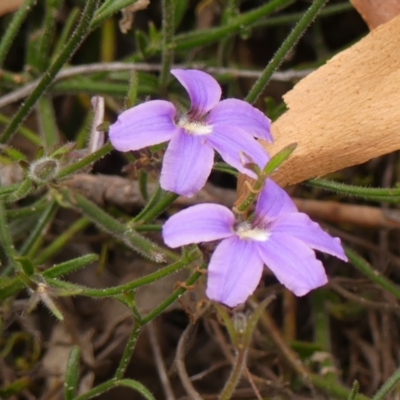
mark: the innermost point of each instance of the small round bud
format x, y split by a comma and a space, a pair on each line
44, 170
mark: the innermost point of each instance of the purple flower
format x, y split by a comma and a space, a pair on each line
278, 236
227, 126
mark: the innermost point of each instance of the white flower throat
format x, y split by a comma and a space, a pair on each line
245, 231
194, 127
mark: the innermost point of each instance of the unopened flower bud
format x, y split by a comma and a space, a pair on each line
44, 170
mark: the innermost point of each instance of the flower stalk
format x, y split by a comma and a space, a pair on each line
284, 49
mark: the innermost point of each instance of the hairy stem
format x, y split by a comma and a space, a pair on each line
282, 52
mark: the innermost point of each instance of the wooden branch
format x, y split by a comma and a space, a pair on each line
125, 193
377, 12
344, 113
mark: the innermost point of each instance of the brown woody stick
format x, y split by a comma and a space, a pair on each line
344, 113
377, 12
125, 193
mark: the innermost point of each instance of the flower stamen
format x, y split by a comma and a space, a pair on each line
194, 127
246, 231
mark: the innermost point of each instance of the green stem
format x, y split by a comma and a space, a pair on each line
245, 20
73, 43
25, 132
69, 266
129, 348
255, 190
58, 244
354, 391
226, 44
112, 383
116, 290
12, 29
72, 374
66, 32
335, 390
23, 212
160, 201
388, 386
294, 17
372, 274
57, 270
150, 204
107, 9
322, 335
6, 190
37, 231
47, 123
22, 190
47, 34
109, 224
262, 176
84, 162
6, 241
143, 185
149, 228
376, 194
286, 46
174, 296
168, 7
236, 374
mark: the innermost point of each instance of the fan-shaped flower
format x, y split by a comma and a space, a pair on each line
278, 236
227, 126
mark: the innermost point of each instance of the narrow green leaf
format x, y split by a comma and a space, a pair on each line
13, 154
11, 31
133, 90
388, 386
20, 192
104, 387
72, 374
66, 32
47, 123
373, 194
26, 265
36, 234
279, 158
354, 390
107, 223
59, 243
69, 266
245, 20
371, 273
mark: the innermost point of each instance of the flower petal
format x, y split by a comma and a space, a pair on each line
272, 202
143, 125
242, 115
200, 223
300, 226
234, 144
187, 164
204, 91
293, 263
234, 272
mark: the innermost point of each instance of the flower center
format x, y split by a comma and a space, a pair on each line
194, 127
245, 231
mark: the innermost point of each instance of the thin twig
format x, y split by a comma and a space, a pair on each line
252, 384
162, 371
376, 305
19, 94
180, 364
